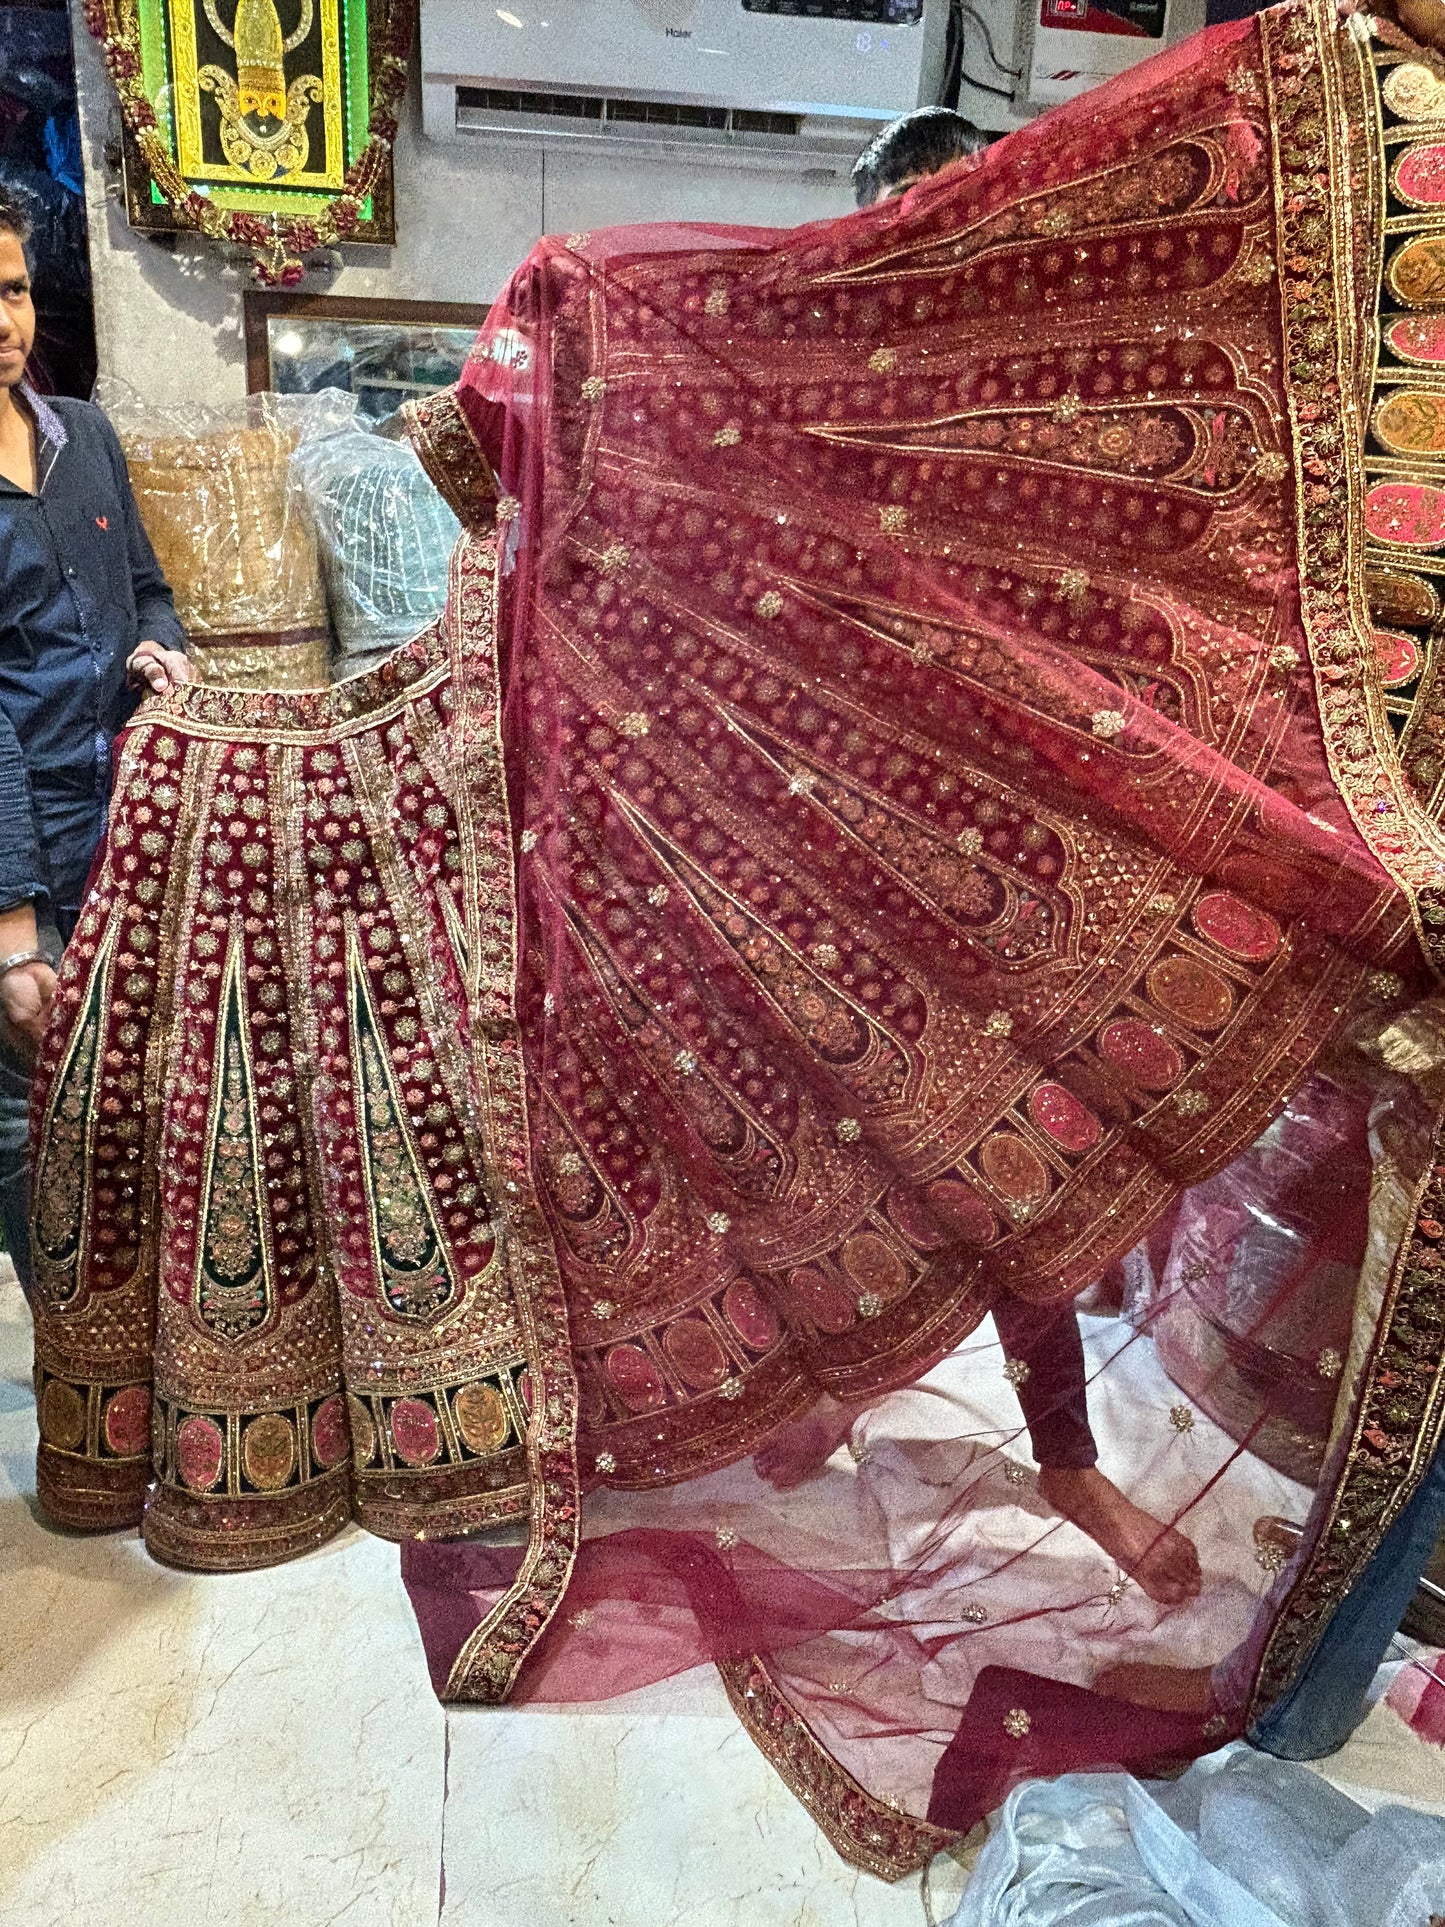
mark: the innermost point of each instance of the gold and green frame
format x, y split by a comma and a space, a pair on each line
265, 124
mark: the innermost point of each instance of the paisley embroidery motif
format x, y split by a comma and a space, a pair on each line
64, 1163
234, 1292
418, 1281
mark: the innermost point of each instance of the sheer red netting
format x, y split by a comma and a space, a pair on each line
934, 904
848, 1038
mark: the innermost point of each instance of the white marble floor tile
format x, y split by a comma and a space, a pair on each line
264, 1750
1384, 1763
663, 1814
253, 1750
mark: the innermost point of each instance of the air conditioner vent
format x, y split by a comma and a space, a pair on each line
877, 13
474, 103
781, 86
667, 113
506, 100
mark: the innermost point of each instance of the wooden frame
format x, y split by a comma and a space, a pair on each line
149, 216
260, 308
270, 192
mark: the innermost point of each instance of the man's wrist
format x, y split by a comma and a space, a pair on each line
19, 928
20, 959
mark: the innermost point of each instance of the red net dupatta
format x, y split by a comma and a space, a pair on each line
864, 1001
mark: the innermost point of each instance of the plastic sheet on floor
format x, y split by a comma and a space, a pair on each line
1241, 1840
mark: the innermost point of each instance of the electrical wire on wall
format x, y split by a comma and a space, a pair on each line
954, 72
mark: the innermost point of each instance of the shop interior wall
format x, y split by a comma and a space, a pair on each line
168, 323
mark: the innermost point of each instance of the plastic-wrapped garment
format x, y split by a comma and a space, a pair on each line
231, 530
386, 538
1241, 1287
1239, 1841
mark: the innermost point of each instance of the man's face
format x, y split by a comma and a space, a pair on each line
17, 312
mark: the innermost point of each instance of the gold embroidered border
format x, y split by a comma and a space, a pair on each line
487, 1665
866, 1832
302, 716
452, 456
1314, 78
1315, 70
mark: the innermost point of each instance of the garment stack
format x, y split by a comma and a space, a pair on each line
303, 547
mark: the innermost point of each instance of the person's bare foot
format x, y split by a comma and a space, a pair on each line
799, 1451
1161, 1560
1167, 1689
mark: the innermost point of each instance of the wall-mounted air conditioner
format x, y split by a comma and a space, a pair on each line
797, 84
1069, 46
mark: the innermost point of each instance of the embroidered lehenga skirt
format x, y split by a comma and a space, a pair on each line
923, 803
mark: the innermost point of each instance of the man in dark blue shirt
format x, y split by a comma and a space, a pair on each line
85, 619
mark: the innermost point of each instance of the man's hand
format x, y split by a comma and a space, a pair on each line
25, 997
156, 669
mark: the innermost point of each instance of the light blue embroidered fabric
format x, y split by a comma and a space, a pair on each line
386, 541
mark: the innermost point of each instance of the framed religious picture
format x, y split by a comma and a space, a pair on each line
264, 123
383, 352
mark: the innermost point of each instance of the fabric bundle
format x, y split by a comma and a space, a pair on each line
385, 535
230, 529
1239, 1841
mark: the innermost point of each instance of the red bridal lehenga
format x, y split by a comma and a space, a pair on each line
899, 898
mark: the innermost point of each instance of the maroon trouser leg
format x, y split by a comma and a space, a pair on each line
1053, 1395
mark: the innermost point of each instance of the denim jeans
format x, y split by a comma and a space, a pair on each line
14, 1150
1327, 1702
15, 1126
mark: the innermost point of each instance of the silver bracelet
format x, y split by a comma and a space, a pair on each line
7, 964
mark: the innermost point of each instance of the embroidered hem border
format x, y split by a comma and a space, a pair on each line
867, 1832
452, 456
1402, 1401
487, 1665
